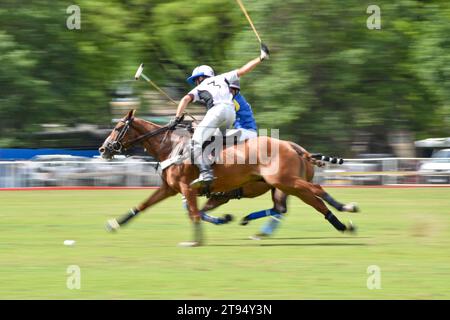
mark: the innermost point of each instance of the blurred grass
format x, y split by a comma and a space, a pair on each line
403, 231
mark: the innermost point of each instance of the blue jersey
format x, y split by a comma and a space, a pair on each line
244, 114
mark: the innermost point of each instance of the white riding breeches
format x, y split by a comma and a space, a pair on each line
246, 134
218, 117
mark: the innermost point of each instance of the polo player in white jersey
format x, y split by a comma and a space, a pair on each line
214, 92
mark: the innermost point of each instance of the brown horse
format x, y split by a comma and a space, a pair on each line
279, 198
280, 167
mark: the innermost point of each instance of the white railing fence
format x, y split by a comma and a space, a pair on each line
16, 174
375, 171
386, 171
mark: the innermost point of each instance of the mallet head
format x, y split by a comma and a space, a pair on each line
139, 72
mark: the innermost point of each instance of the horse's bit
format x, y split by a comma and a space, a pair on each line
116, 145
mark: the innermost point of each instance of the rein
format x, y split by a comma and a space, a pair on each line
117, 146
144, 136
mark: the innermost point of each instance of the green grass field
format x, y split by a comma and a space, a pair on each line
405, 232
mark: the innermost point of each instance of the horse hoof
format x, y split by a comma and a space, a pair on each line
351, 207
187, 244
112, 225
351, 228
259, 236
244, 222
228, 218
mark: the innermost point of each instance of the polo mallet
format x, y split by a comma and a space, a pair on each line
140, 74
249, 19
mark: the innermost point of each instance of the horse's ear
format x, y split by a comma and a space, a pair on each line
131, 114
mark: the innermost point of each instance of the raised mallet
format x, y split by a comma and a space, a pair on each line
140, 74
241, 5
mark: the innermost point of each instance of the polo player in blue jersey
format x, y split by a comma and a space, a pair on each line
245, 121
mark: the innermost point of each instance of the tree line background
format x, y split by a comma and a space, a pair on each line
329, 79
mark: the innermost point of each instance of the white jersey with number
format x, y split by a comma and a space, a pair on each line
214, 91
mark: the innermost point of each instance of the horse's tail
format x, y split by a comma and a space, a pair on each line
321, 157
316, 159
306, 155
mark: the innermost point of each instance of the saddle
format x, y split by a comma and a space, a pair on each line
231, 138
182, 150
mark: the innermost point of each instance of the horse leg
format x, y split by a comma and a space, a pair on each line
214, 202
304, 190
194, 214
320, 192
211, 204
279, 201
250, 190
162, 193
280, 208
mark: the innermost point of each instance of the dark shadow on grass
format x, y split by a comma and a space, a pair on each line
309, 238
320, 238
261, 244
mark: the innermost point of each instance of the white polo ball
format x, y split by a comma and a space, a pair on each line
69, 242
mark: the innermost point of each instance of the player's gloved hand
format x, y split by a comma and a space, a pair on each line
264, 52
174, 122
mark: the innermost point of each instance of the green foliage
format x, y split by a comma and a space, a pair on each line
329, 78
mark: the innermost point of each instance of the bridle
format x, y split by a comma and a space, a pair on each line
117, 146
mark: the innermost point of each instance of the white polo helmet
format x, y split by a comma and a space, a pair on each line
200, 71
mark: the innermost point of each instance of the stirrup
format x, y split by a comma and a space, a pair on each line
201, 182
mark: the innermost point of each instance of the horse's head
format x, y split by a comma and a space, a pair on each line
119, 138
